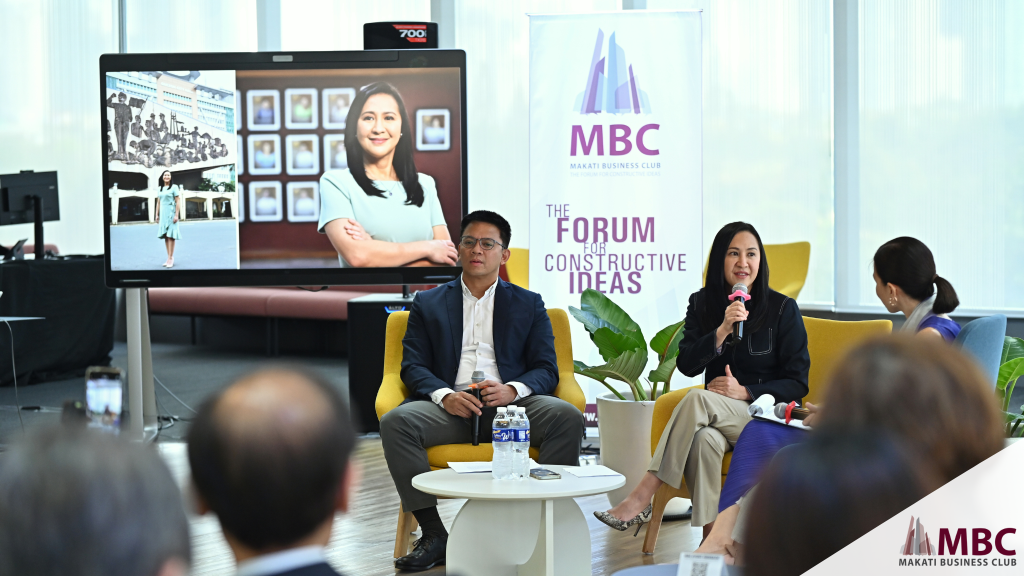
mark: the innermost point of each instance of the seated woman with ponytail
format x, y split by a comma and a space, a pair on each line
905, 281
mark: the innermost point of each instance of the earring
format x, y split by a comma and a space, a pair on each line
890, 300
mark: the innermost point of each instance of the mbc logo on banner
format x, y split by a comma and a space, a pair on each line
615, 162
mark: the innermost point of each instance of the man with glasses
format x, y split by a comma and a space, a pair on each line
478, 322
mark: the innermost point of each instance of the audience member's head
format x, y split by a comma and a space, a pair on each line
931, 395
821, 495
896, 405
79, 503
270, 457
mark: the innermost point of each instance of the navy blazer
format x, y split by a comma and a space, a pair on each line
524, 345
773, 360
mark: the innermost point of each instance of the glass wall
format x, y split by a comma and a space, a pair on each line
942, 142
49, 109
767, 125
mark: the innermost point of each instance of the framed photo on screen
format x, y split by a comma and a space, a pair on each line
336, 102
263, 109
303, 201
265, 202
335, 155
433, 129
303, 154
240, 209
300, 109
264, 154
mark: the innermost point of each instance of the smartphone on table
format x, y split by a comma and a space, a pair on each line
104, 398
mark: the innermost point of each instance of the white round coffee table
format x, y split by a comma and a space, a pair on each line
542, 530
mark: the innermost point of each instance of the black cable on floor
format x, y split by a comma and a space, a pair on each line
17, 401
174, 395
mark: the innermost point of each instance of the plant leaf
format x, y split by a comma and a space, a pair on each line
626, 368
1012, 348
609, 312
584, 370
664, 371
612, 344
666, 340
1008, 374
591, 321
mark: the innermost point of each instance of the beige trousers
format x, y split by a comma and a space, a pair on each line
703, 427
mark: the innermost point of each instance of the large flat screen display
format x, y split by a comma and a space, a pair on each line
283, 168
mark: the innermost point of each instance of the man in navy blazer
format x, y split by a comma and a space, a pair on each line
476, 323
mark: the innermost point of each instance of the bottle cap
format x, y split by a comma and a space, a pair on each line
501, 410
521, 410
511, 407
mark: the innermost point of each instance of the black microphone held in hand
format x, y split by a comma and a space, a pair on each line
478, 377
739, 290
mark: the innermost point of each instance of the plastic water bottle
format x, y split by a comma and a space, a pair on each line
521, 445
501, 441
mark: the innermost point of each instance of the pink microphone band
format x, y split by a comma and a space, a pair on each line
739, 294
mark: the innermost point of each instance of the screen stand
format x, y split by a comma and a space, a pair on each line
405, 291
37, 209
141, 395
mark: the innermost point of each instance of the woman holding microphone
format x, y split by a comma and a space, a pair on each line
770, 358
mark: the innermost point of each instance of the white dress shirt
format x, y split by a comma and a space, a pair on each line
283, 561
478, 345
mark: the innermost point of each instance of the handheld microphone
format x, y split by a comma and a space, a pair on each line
739, 290
478, 377
790, 411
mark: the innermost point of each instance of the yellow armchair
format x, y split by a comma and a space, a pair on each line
393, 392
827, 342
518, 267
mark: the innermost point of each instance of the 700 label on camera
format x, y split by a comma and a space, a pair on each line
413, 33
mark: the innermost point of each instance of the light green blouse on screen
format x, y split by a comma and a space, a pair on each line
388, 219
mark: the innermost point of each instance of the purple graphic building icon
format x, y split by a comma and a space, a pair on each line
614, 92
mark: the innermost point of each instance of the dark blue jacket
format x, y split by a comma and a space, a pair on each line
524, 345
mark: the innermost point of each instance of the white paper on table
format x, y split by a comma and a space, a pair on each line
477, 467
691, 564
590, 471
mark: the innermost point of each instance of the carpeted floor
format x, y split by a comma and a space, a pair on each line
190, 372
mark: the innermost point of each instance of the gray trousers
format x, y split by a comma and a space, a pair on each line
556, 427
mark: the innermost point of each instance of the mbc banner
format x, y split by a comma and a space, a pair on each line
615, 165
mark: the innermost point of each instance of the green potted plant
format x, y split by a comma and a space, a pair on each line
624, 419
1011, 367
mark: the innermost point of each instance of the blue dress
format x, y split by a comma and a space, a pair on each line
761, 440
168, 209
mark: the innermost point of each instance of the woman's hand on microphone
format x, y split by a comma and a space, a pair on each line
813, 416
442, 252
728, 386
736, 312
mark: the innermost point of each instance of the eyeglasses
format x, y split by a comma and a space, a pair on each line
468, 242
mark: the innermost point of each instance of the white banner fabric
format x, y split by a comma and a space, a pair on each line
615, 166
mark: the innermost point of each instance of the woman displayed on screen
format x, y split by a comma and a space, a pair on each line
168, 211
380, 211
